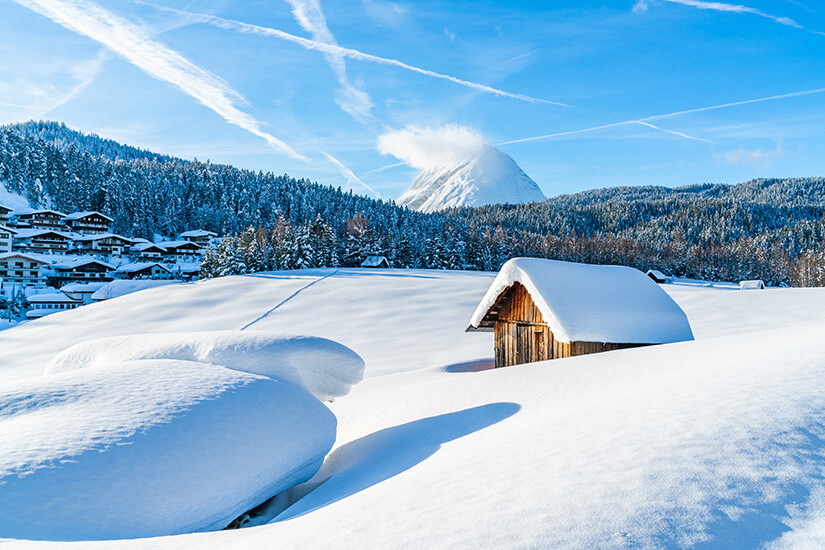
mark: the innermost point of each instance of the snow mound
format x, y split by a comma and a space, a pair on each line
122, 287
490, 178
153, 447
593, 303
325, 368
13, 200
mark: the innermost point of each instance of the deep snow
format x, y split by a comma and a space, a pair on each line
712, 443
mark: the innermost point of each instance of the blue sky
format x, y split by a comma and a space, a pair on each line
285, 86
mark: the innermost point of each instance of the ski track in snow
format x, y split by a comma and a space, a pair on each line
288, 298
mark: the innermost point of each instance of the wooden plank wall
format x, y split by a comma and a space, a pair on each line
521, 336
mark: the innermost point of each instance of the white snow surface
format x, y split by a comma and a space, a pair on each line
13, 200
323, 367
490, 178
711, 443
593, 303
142, 448
122, 287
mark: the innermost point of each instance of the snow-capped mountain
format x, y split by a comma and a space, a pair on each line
490, 178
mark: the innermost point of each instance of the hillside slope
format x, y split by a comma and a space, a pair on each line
710, 443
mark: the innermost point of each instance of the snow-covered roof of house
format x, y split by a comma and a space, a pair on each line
141, 246
86, 213
29, 233
139, 266
656, 275
752, 285
79, 261
26, 256
7, 228
5, 208
374, 261
592, 303
51, 298
122, 287
170, 245
101, 236
198, 233
81, 287
33, 211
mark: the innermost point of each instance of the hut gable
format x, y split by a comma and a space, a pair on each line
545, 309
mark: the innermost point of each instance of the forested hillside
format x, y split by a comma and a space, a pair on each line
770, 229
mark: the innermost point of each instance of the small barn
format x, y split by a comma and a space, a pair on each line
757, 284
658, 277
547, 309
375, 262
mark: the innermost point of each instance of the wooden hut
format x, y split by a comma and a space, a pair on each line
544, 309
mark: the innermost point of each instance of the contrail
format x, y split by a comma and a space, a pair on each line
248, 28
667, 115
349, 174
155, 59
354, 101
674, 132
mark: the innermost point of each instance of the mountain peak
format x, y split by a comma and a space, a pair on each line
489, 178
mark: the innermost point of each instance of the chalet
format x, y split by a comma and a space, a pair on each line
77, 269
102, 243
45, 304
201, 237
375, 262
82, 292
180, 250
147, 251
41, 240
4, 214
24, 269
43, 219
659, 277
6, 238
143, 270
546, 309
757, 284
89, 222
187, 271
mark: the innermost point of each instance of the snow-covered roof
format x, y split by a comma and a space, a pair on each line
81, 287
28, 233
656, 275
752, 285
168, 245
26, 256
101, 236
31, 212
51, 298
5, 208
143, 246
374, 261
592, 303
198, 233
78, 261
139, 266
8, 229
86, 213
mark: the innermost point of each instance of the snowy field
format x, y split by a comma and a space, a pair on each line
713, 443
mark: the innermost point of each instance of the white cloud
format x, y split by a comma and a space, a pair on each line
640, 6
386, 14
742, 156
345, 52
425, 148
354, 101
155, 59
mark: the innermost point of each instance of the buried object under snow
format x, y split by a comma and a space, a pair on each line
114, 447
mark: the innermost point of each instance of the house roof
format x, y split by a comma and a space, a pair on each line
142, 247
29, 233
101, 236
79, 261
86, 213
171, 245
198, 233
7, 228
51, 298
140, 266
590, 303
374, 261
752, 285
30, 257
81, 287
26, 213
5, 208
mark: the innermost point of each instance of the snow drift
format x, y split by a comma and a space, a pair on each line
325, 368
491, 177
149, 435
